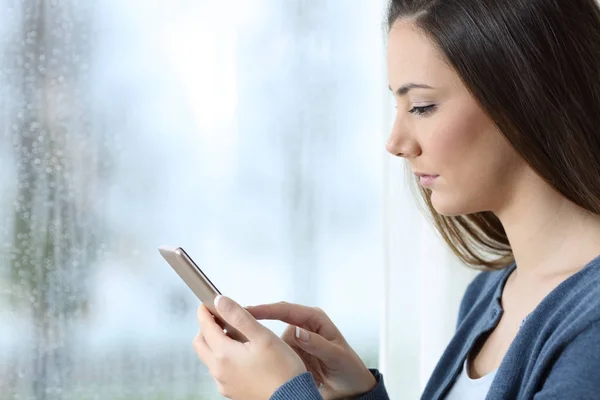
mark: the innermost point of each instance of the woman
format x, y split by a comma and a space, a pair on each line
498, 115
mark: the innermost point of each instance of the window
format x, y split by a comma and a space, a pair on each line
249, 132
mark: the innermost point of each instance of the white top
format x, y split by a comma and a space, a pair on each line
465, 388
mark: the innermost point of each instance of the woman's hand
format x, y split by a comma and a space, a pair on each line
251, 370
325, 352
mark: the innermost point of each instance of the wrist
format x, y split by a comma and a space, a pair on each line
368, 383
371, 382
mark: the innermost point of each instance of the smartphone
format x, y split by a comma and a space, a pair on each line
199, 283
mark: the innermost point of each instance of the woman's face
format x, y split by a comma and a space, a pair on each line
442, 131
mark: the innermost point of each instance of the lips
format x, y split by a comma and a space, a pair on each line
426, 179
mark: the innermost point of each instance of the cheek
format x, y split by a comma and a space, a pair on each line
472, 160
452, 146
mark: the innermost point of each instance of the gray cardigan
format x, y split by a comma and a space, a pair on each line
555, 355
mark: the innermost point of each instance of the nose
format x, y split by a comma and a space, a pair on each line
401, 143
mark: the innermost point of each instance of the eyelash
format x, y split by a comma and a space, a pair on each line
422, 111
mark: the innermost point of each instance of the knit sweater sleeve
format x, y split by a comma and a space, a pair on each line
303, 387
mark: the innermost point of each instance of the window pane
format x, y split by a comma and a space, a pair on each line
248, 132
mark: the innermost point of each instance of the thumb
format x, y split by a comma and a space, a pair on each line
237, 317
316, 345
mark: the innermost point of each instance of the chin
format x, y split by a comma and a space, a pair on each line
451, 206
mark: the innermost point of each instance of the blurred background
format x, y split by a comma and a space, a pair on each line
249, 132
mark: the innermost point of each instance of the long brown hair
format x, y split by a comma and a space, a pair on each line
534, 67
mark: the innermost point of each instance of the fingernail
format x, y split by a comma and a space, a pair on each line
224, 304
301, 334
217, 301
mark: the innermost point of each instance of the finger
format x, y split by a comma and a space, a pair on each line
219, 322
240, 319
310, 318
203, 350
318, 346
213, 334
312, 363
215, 318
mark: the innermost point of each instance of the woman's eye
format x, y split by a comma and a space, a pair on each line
422, 110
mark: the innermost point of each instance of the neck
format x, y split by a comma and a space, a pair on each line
549, 235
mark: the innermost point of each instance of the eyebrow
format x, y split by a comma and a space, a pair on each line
402, 90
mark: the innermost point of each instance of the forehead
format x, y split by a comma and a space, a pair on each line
412, 57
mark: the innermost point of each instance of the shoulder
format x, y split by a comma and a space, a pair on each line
567, 325
574, 306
